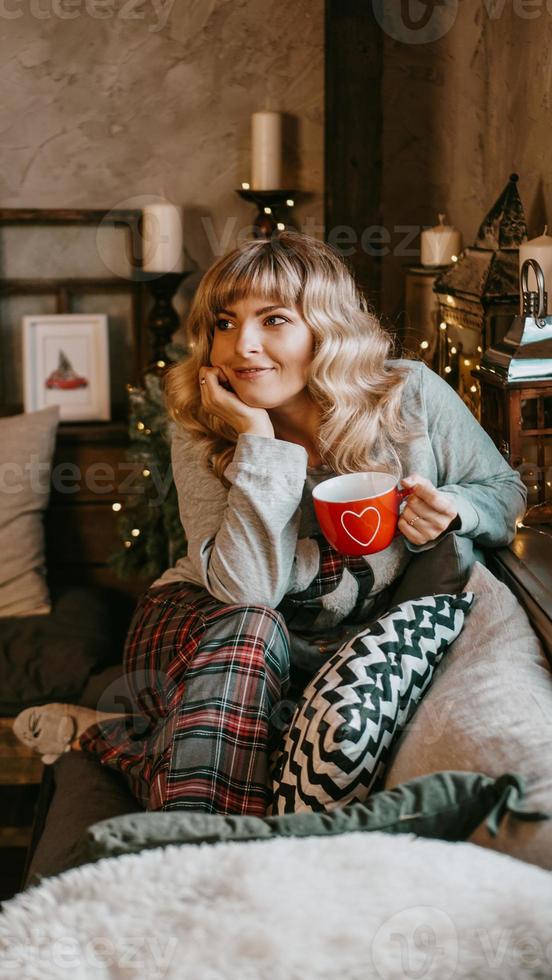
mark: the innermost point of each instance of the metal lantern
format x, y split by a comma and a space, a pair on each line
479, 295
515, 378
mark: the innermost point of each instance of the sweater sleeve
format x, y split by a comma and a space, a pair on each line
242, 541
488, 494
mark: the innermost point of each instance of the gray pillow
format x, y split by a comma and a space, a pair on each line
26, 448
489, 709
445, 805
51, 658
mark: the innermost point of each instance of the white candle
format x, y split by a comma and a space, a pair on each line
266, 151
440, 243
163, 239
540, 249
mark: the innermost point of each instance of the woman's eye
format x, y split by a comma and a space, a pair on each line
221, 324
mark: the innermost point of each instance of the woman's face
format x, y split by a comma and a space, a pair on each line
257, 332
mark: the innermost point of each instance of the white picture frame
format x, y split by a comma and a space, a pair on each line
66, 363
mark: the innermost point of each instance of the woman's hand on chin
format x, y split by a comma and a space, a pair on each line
220, 400
428, 512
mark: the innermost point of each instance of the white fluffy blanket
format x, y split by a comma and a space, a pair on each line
355, 907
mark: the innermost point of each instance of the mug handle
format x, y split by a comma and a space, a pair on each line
403, 493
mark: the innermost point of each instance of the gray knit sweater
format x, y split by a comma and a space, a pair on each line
258, 542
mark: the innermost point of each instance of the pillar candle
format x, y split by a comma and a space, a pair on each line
440, 243
266, 151
540, 249
163, 241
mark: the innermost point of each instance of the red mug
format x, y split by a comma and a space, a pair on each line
358, 512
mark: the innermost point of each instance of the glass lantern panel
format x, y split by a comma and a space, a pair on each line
529, 413
492, 417
536, 468
459, 354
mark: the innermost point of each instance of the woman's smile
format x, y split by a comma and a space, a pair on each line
252, 374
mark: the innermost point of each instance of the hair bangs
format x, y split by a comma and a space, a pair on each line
256, 272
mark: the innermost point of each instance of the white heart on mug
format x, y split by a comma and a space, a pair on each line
365, 544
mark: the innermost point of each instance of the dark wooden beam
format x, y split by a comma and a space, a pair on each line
353, 72
14, 287
63, 216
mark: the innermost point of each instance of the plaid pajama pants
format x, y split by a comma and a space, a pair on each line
207, 685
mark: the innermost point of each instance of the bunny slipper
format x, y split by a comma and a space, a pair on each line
49, 729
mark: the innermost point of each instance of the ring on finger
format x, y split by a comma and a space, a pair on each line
413, 520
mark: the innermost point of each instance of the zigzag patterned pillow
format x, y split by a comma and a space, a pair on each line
343, 728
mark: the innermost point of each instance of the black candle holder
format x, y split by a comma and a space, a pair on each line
272, 210
163, 319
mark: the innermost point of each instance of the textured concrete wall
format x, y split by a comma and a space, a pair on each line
460, 114
108, 102
156, 98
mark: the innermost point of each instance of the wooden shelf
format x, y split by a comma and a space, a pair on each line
18, 764
60, 216
113, 433
15, 836
63, 290
36, 287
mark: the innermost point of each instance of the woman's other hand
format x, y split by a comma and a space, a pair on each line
218, 399
428, 512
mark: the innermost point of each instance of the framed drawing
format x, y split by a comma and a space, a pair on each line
66, 363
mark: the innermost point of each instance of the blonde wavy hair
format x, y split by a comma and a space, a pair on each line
357, 388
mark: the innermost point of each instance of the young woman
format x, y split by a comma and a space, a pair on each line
290, 381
